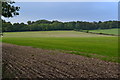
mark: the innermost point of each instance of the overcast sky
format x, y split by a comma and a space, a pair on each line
66, 11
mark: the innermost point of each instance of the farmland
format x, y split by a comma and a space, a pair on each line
28, 62
55, 40
90, 45
107, 31
59, 54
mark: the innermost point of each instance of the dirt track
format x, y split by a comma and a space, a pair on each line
28, 62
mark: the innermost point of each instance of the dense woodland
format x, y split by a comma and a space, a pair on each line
45, 25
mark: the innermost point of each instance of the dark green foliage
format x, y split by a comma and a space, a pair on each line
45, 25
9, 10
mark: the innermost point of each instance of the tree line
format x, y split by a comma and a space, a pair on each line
45, 25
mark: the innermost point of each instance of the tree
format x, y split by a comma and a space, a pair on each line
29, 22
9, 10
44, 25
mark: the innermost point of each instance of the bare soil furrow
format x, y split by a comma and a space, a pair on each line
28, 62
33, 69
24, 69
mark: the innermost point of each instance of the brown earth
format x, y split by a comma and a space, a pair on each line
28, 62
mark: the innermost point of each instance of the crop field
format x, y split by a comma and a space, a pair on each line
107, 31
59, 54
91, 45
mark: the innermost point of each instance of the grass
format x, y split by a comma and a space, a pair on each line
90, 45
107, 31
49, 34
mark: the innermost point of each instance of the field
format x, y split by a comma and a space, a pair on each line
59, 54
90, 45
28, 62
107, 31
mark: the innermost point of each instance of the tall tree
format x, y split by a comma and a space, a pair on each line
9, 10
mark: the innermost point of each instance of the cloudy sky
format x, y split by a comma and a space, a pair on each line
66, 11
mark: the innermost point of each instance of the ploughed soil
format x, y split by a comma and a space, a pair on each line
28, 62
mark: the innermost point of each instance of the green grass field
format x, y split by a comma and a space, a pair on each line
107, 31
91, 45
